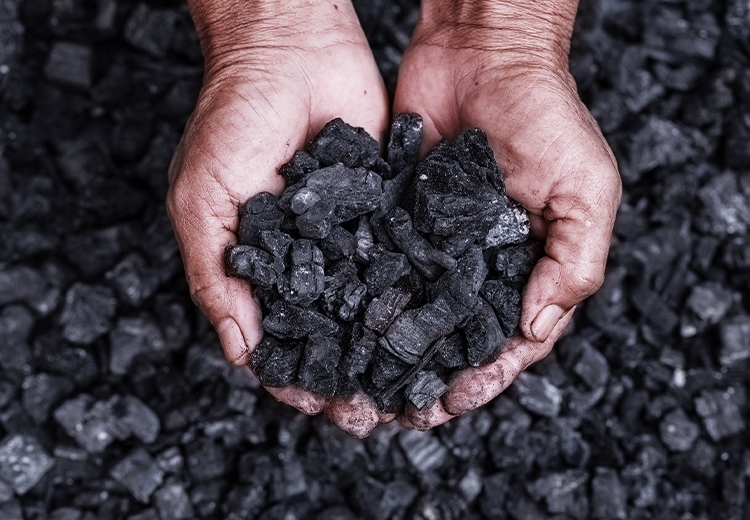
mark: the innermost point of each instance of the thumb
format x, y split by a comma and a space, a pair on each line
581, 216
202, 227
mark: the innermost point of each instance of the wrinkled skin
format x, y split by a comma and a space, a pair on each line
267, 97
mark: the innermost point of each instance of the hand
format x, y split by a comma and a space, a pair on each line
275, 74
510, 77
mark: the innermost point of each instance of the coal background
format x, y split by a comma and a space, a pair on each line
115, 401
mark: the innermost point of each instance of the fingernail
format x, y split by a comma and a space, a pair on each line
232, 341
545, 321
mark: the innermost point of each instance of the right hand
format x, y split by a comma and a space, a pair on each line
270, 85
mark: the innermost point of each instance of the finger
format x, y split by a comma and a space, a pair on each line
581, 214
433, 416
228, 303
476, 386
306, 402
385, 418
356, 415
404, 421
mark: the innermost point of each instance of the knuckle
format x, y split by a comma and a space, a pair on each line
585, 279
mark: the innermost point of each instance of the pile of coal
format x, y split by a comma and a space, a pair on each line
384, 275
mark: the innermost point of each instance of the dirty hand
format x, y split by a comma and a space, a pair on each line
503, 67
276, 72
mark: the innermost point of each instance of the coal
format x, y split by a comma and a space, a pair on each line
275, 363
404, 267
23, 462
88, 312
70, 63
83, 177
139, 474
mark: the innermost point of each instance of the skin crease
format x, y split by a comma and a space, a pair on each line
267, 91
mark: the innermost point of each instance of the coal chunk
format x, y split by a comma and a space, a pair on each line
677, 431
339, 244
351, 146
88, 312
537, 394
275, 242
358, 355
255, 265
287, 321
301, 163
425, 390
484, 335
23, 462
506, 302
139, 474
384, 270
383, 310
261, 213
41, 392
719, 410
735, 340
452, 352
317, 370
306, 276
275, 363
333, 195
404, 142
70, 63
427, 260
344, 293
512, 261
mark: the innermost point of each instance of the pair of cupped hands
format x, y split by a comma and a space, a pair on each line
277, 71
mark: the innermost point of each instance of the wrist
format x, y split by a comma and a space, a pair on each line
237, 31
520, 32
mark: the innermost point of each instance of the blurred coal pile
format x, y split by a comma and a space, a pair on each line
116, 403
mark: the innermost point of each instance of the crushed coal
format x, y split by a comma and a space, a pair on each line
127, 410
390, 309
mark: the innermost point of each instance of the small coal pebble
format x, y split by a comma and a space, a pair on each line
360, 284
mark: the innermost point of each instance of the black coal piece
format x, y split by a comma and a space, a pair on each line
384, 275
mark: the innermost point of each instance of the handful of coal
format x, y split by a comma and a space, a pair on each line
384, 275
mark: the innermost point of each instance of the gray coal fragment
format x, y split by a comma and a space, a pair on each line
261, 213
23, 462
275, 363
609, 498
677, 431
70, 63
288, 321
88, 312
452, 353
357, 357
365, 240
408, 339
385, 268
537, 394
275, 242
515, 260
151, 30
351, 146
43, 391
386, 368
507, 304
512, 226
344, 293
720, 411
254, 265
735, 340
383, 310
300, 165
317, 370
404, 142
139, 474
423, 450
430, 262
342, 194
425, 390
484, 335
339, 244
306, 276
